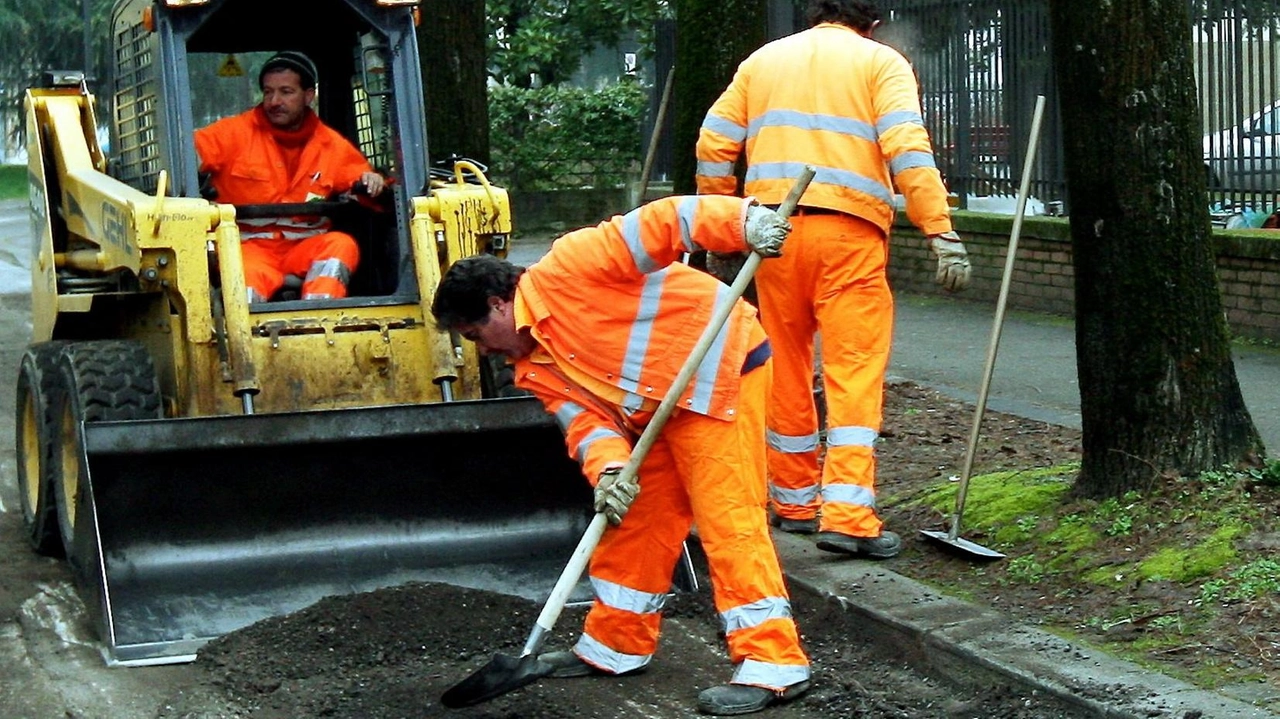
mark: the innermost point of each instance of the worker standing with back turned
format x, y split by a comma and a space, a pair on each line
835, 99
599, 329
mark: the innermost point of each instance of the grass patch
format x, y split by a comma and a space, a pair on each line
13, 182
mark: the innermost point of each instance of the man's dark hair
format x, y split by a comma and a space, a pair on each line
464, 292
859, 15
291, 60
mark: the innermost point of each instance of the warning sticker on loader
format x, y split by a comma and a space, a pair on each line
230, 67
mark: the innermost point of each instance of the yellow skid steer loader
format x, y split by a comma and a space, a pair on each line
204, 462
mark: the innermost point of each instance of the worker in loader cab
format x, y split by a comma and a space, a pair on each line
598, 330
832, 98
280, 152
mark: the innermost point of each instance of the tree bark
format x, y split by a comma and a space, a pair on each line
452, 50
1158, 388
712, 37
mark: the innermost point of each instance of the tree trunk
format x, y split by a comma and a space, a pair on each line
452, 49
1158, 389
712, 37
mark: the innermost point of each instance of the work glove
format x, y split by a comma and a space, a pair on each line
766, 231
614, 495
953, 261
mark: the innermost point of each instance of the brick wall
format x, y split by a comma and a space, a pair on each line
1248, 268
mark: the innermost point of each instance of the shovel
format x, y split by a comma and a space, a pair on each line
952, 539
505, 673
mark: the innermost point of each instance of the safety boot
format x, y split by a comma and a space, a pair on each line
794, 526
569, 665
887, 545
735, 699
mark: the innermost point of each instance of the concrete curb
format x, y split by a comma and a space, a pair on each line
978, 647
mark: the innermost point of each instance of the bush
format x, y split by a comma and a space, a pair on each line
563, 137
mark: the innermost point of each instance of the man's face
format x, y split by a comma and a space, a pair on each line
497, 333
284, 100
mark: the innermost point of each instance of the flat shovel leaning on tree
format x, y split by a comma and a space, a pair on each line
952, 539
506, 673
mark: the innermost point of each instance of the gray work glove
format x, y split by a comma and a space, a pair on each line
766, 231
614, 495
953, 261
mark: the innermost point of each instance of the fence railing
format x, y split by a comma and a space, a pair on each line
981, 63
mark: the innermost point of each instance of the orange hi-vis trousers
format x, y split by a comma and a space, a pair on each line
324, 261
830, 280
709, 473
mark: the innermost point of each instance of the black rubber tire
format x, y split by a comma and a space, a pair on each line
97, 381
34, 425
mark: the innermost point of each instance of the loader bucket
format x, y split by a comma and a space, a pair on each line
197, 527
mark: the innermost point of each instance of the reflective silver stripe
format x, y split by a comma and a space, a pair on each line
284, 222
909, 160
796, 497
635, 243
255, 297
301, 235
687, 211
813, 121
704, 380
566, 414
715, 169
824, 175
849, 494
754, 614
632, 403
777, 676
627, 599
332, 267
592, 436
641, 328
899, 117
792, 443
731, 130
598, 654
851, 437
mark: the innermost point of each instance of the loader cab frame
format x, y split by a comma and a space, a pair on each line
196, 64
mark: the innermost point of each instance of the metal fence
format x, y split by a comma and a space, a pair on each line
981, 64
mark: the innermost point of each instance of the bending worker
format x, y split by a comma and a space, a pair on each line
598, 329
280, 152
856, 119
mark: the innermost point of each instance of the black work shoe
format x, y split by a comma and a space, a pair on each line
887, 545
569, 665
734, 699
794, 526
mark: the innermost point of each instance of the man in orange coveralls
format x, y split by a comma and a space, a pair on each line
833, 98
598, 329
280, 152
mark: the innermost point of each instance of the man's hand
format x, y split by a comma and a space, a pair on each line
953, 261
614, 495
766, 231
373, 183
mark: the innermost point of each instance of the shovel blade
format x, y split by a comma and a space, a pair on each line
962, 545
501, 675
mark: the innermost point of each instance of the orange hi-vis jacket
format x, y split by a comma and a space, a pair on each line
861, 142
619, 315
249, 168
616, 316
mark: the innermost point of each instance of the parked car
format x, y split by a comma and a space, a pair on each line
1246, 156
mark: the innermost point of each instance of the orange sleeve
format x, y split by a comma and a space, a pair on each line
651, 237
721, 139
592, 437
